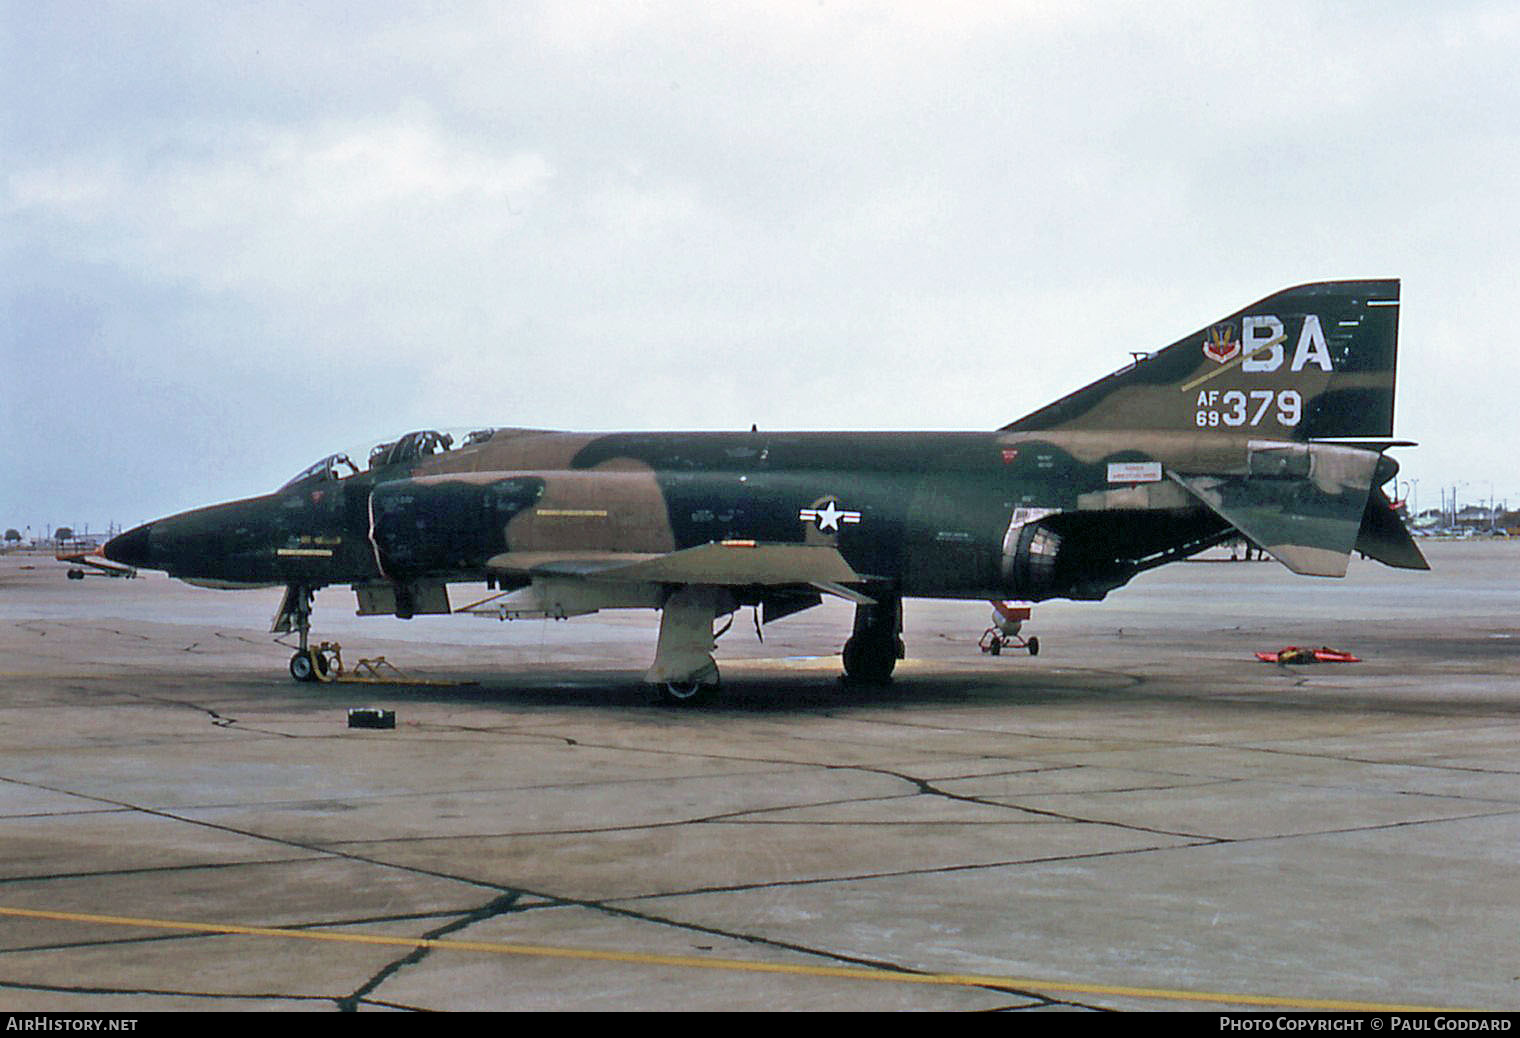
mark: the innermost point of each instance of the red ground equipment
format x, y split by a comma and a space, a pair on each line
1295, 654
1007, 620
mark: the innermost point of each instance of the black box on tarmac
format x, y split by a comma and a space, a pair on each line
371, 717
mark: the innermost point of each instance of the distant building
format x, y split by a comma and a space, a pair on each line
1477, 517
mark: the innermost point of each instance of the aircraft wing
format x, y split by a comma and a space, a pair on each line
98, 564
578, 582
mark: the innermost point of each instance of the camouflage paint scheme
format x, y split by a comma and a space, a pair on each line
1269, 423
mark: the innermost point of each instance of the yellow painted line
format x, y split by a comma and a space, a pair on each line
571, 513
1232, 365
305, 553
735, 965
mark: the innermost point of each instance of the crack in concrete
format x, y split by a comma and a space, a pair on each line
239, 638
510, 898
614, 909
1345, 759
1044, 860
1242, 746
550, 900
928, 789
516, 731
902, 873
495, 907
216, 718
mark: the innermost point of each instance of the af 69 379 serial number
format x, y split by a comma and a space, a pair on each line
1241, 407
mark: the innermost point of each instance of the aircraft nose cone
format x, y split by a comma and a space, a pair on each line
131, 548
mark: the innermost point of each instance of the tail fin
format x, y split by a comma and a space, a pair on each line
1312, 362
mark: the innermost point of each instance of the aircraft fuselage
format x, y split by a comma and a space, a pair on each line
932, 514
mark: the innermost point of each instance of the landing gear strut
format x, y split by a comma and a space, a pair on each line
873, 650
294, 614
683, 672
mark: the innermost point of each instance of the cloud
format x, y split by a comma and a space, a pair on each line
335, 211
290, 226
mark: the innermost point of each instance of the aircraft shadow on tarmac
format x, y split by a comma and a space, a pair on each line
744, 693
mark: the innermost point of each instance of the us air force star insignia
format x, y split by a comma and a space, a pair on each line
828, 517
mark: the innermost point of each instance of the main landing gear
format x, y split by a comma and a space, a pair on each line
872, 652
684, 672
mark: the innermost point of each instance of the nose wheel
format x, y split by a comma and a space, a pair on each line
308, 665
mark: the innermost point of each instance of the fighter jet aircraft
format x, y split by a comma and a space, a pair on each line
1270, 423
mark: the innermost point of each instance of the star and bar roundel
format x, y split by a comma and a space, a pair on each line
828, 516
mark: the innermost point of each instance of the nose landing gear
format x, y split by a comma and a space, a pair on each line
294, 615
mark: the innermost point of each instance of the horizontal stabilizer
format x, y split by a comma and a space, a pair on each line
1303, 503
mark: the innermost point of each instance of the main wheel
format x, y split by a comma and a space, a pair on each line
870, 660
686, 693
1034, 645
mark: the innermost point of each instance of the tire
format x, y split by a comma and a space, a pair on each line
1034, 646
869, 661
302, 668
686, 693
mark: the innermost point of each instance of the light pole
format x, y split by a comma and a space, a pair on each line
1454, 488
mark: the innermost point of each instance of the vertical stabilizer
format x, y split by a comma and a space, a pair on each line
1312, 362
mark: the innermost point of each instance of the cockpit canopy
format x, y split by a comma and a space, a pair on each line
328, 468
419, 444
410, 447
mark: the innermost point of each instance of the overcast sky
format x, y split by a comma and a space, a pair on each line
234, 238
